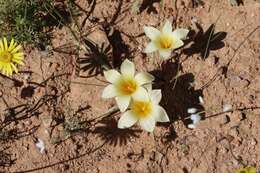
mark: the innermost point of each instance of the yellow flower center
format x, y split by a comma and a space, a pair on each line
165, 41
5, 56
141, 109
127, 86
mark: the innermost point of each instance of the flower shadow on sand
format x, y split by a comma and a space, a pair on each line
178, 95
109, 132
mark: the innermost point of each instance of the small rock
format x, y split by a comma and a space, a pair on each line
253, 142
234, 132
158, 156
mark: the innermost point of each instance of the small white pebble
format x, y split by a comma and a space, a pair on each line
201, 100
192, 110
227, 107
40, 145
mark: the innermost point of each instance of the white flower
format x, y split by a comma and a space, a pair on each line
201, 100
192, 110
165, 40
146, 112
126, 85
227, 108
40, 145
195, 120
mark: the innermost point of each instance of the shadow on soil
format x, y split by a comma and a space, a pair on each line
178, 94
205, 41
6, 158
109, 132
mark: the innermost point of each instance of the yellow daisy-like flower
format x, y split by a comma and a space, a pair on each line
10, 56
247, 170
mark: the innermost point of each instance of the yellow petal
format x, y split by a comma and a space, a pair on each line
20, 62
1, 45
5, 44
11, 46
16, 49
14, 68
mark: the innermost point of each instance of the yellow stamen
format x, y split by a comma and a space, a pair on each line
141, 109
165, 41
127, 86
5, 57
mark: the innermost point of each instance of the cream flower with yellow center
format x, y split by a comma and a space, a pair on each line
127, 85
165, 40
145, 111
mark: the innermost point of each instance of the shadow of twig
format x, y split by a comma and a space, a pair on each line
6, 159
120, 50
63, 161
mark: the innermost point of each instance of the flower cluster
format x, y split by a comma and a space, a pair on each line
133, 92
134, 96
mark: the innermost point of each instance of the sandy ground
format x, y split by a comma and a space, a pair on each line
52, 99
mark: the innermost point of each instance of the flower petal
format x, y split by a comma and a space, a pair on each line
160, 114
5, 44
1, 45
180, 33
195, 118
14, 68
156, 96
123, 102
109, 91
192, 110
16, 49
191, 126
127, 68
127, 120
167, 28
144, 78
147, 124
178, 43
165, 53
112, 76
148, 87
141, 94
151, 47
151, 32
